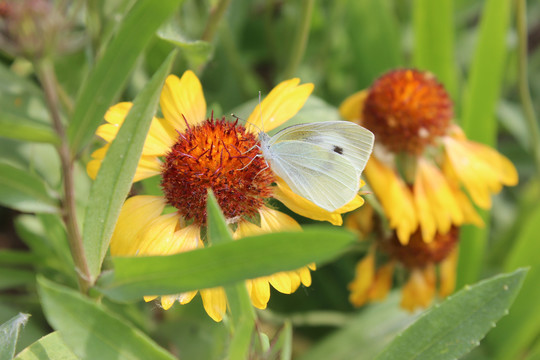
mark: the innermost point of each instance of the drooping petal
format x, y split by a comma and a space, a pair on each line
382, 282
419, 289
214, 302
447, 274
395, 198
352, 107
481, 170
136, 214
183, 98
281, 104
259, 292
437, 207
363, 279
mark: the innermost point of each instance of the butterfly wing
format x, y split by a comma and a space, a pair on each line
324, 177
345, 138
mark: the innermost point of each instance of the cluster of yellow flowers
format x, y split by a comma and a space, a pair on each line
424, 201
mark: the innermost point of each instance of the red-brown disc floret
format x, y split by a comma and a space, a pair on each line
221, 156
407, 110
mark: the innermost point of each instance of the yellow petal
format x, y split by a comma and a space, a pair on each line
183, 98
436, 204
395, 198
282, 282
117, 113
167, 301
274, 221
352, 107
259, 292
448, 274
363, 279
148, 166
281, 104
305, 276
419, 289
149, 298
481, 170
214, 302
136, 214
158, 236
361, 221
107, 132
304, 207
382, 282
161, 137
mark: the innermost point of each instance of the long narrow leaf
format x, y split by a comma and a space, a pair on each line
23, 191
48, 347
9, 334
116, 173
109, 75
478, 117
223, 264
518, 330
434, 40
456, 326
90, 331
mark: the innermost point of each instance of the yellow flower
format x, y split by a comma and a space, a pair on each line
418, 259
422, 163
191, 154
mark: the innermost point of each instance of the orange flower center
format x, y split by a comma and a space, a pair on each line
221, 156
407, 110
417, 253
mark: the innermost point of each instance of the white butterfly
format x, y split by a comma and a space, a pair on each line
321, 161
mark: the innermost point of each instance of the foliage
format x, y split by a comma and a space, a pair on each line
86, 304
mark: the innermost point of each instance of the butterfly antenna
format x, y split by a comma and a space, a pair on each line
260, 112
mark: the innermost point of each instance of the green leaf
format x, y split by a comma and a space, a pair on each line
478, 118
218, 231
434, 40
108, 77
20, 128
11, 277
23, 191
486, 73
456, 326
196, 52
91, 331
376, 46
9, 333
48, 347
223, 264
242, 314
365, 334
517, 331
116, 173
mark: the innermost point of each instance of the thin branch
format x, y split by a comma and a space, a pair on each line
47, 77
526, 101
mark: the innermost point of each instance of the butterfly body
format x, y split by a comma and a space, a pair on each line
321, 162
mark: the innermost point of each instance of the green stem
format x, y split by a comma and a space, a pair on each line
47, 77
300, 40
528, 109
216, 13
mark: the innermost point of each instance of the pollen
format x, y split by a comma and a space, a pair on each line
407, 110
417, 253
221, 156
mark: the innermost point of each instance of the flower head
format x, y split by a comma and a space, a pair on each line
426, 175
193, 153
423, 166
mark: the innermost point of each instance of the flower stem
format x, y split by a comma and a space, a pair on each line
47, 77
526, 102
216, 13
300, 40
